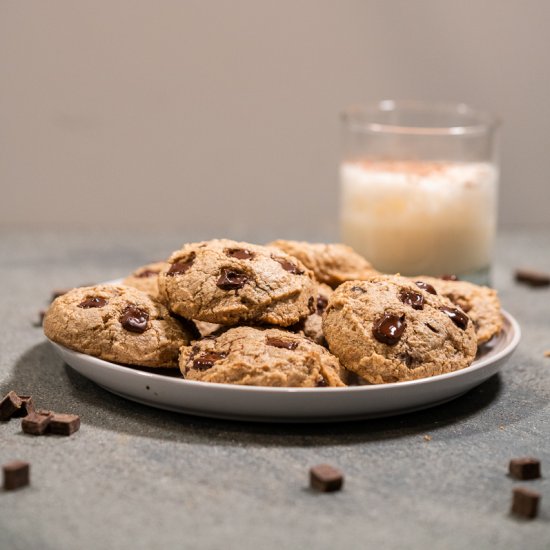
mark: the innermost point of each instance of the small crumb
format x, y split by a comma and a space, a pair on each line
501, 427
547, 353
427, 437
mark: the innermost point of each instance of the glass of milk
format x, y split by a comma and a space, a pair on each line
419, 186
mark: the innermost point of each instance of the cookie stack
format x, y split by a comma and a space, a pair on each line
285, 314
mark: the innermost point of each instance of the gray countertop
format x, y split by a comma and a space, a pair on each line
136, 477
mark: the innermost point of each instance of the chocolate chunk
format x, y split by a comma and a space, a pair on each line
93, 302
180, 267
16, 475
458, 317
206, 361
322, 303
325, 478
288, 266
524, 468
281, 343
322, 383
425, 286
532, 278
407, 359
413, 299
64, 424
231, 279
36, 423
525, 503
146, 273
311, 305
134, 319
9, 405
239, 253
448, 277
389, 328
27, 406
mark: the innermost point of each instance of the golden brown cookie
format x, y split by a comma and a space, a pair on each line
312, 325
228, 282
260, 357
145, 278
332, 264
116, 323
389, 329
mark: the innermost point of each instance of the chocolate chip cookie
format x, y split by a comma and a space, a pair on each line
391, 329
481, 303
116, 323
332, 264
146, 277
260, 357
228, 282
312, 325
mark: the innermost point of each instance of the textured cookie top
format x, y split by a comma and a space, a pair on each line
312, 325
260, 357
228, 282
390, 329
117, 323
145, 278
481, 303
332, 264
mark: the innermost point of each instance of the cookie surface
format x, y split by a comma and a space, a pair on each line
481, 303
260, 357
389, 329
228, 282
332, 264
116, 323
145, 278
312, 325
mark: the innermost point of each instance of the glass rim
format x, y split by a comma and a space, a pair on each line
354, 118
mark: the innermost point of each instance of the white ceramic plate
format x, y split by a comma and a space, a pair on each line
263, 404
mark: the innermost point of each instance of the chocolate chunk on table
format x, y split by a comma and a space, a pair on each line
16, 475
36, 423
64, 424
525, 503
10, 404
532, 277
27, 406
524, 468
325, 478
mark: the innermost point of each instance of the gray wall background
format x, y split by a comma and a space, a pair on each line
222, 117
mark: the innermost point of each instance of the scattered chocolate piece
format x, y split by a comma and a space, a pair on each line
413, 299
288, 266
27, 406
532, 278
92, 302
459, 318
325, 478
447, 277
64, 424
134, 319
36, 423
182, 266
16, 475
10, 404
524, 468
426, 286
389, 328
281, 343
206, 361
322, 303
231, 279
240, 253
525, 503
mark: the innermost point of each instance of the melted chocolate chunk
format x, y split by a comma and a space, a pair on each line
182, 266
146, 273
448, 277
206, 361
288, 266
134, 319
93, 302
413, 299
459, 318
425, 286
240, 253
389, 328
231, 279
280, 343
322, 303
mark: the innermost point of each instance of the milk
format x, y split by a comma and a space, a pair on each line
415, 218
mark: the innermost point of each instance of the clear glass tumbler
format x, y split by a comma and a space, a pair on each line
419, 185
